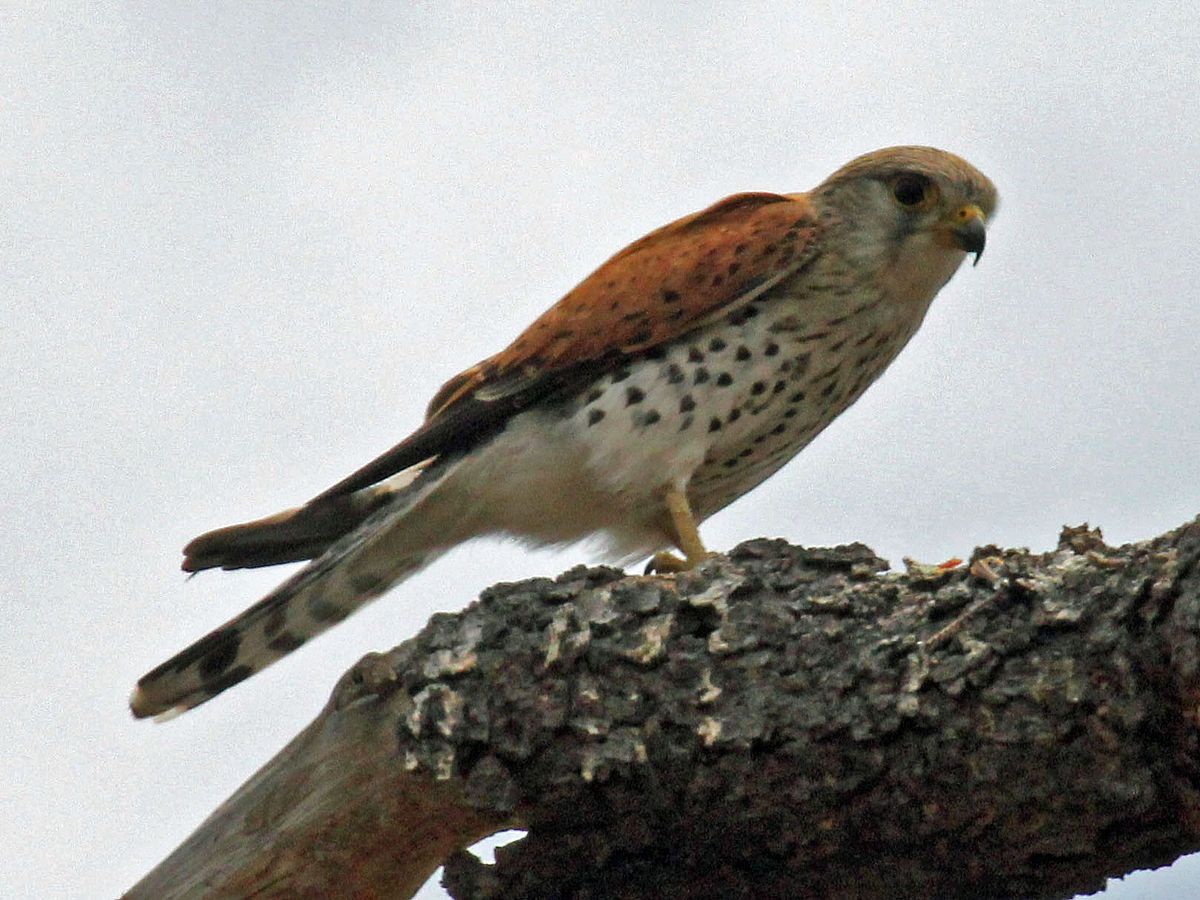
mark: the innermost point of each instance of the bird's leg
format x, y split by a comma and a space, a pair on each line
686, 536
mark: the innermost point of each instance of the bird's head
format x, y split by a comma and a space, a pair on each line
909, 215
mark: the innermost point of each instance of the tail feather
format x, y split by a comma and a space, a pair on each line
388, 545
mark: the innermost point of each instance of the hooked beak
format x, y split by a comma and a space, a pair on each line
968, 230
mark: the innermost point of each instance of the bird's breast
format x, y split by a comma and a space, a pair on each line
722, 408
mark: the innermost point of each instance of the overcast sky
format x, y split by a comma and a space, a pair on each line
244, 242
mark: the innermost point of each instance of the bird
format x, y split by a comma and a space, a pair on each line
679, 375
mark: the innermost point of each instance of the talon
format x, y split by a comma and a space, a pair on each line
664, 563
686, 537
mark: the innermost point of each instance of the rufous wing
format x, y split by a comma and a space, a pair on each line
658, 288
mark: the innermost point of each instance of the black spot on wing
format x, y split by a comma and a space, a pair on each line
742, 315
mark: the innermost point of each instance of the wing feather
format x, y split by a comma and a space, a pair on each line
660, 287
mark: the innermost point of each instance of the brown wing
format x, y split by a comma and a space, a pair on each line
656, 289
662, 286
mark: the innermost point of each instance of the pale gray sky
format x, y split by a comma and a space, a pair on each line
244, 242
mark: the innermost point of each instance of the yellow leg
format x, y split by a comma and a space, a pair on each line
687, 536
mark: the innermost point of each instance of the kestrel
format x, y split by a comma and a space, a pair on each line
679, 375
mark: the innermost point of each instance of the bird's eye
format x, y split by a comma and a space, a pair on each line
911, 190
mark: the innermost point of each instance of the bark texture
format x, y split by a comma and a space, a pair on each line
780, 722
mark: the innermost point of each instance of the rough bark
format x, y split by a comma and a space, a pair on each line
779, 722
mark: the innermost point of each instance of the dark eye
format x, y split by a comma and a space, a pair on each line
910, 190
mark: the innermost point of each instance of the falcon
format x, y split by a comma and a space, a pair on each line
678, 376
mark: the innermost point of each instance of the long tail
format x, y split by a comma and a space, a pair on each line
404, 533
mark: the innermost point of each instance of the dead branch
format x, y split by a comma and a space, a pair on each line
780, 722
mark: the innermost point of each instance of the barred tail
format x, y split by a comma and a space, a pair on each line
403, 535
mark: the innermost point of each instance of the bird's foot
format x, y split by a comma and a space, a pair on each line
668, 563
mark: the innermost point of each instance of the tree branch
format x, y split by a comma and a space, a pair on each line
779, 722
